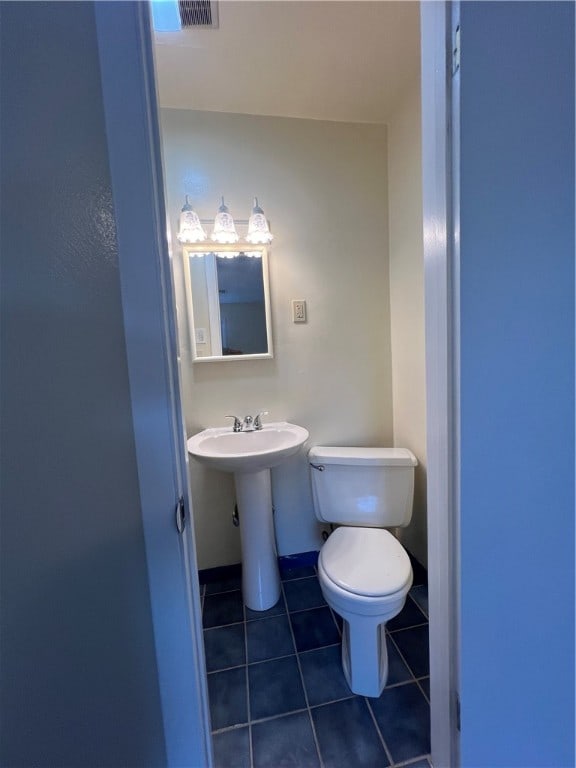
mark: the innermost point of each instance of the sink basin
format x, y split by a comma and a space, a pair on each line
230, 451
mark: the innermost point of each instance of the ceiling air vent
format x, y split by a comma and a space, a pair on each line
198, 13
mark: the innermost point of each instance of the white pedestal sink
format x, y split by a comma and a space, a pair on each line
250, 456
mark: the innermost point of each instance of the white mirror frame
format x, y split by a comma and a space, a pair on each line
189, 251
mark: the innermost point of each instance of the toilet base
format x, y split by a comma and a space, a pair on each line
364, 651
365, 655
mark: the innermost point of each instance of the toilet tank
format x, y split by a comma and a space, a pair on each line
372, 487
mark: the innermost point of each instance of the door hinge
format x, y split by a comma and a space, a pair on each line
458, 721
180, 515
456, 51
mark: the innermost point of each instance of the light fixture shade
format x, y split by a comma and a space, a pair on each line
258, 230
191, 230
224, 227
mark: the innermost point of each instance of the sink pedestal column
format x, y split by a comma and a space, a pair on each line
260, 574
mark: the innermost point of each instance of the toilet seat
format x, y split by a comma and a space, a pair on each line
367, 562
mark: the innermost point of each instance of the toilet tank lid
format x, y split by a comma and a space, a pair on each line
379, 457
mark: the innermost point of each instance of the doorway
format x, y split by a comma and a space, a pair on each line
452, 763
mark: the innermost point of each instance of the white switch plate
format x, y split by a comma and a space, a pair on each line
298, 311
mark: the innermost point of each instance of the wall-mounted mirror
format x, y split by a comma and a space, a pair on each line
228, 301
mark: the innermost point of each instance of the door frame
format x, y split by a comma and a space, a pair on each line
440, 179
125, 44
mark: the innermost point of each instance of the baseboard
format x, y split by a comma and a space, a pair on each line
286, 562
419, 572
220, 573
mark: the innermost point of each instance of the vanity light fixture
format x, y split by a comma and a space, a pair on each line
224, 228
191, 230
224, 231
258, 230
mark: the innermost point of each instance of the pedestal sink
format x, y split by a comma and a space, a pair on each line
250, 456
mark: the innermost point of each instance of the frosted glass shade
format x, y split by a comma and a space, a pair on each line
258, 230
224, 227
191, 230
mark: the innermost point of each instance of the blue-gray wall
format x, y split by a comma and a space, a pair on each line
79, 680
517, 380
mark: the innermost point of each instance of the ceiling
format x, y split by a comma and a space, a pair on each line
319, 59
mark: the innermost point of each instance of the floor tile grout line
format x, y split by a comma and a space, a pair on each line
248, 712
298, 578
269, 718
286, 655
257, 721
334, 701
417, 604
239, 589
400, 684
251, 620
330, 701
379, 732
224, 592
411, 761
260, 720
221, 626
414, 678
310, 718
312, 608
301, 578
304, 610
320, 648
252, 663
356, 695
269, 618
411, 626
335, 622
422, 689
225, 669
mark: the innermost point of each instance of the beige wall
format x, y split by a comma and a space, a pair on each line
323, 185
407, 301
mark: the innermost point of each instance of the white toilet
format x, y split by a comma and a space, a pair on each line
364, 571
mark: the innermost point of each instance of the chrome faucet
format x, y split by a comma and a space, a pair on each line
237, 423
258, 419
249, 424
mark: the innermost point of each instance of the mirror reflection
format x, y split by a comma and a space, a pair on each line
228, 302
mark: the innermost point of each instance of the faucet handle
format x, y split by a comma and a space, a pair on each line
258, 419
237, 423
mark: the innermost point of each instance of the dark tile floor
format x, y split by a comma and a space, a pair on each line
278, 696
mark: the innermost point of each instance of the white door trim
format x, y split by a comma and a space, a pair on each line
128, 89
439, 112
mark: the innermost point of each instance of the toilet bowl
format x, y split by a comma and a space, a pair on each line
365, 575
363, 570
